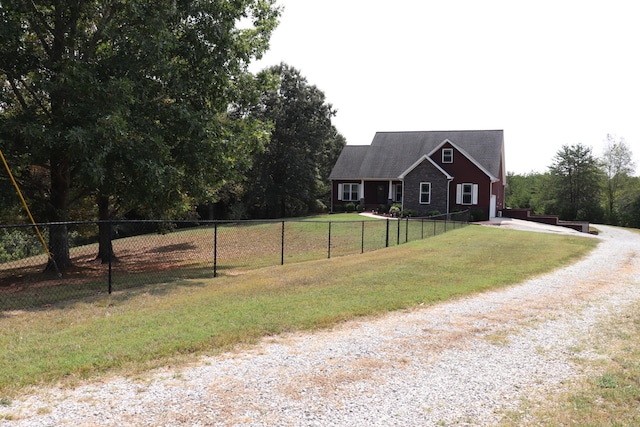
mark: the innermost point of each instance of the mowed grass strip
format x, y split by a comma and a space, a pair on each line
161, 325
607, 395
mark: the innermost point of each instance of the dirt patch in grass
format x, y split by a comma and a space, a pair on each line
136, 256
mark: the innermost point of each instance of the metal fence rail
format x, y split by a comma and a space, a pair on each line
159, 252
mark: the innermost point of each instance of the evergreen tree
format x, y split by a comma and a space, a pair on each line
576, 184
291, 175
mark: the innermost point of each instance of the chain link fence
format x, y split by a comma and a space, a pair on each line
163, 252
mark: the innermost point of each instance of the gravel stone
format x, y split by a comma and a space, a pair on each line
459, 363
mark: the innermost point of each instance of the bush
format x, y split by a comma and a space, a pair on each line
318, 206
238, 211
19, 243
295, 207
338, 208
395, 209
350, 207
479, 215
383, 209
410, 213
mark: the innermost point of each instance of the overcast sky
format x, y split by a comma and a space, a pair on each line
547, 72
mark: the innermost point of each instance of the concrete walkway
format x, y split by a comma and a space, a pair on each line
520, 224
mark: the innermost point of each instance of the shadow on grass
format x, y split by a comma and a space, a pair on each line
51, 292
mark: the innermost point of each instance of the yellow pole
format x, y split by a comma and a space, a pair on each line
24, 203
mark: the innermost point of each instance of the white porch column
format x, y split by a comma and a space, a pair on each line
390, 190
361, 190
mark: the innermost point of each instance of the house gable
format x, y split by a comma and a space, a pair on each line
436, 153
425, 173
419, 162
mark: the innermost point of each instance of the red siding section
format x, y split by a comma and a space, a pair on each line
464, 171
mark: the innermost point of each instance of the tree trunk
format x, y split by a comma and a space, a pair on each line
105, 246
58, 233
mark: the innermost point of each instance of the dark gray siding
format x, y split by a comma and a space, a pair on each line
425, 172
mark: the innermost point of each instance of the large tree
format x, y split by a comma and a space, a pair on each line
127, 100
618, 166
629, 203
289, 177
576, 184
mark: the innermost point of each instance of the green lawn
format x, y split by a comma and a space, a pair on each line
162, 324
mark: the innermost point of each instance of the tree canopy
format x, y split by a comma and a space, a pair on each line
577, 180
291, 176
528, 191
128, 101
581, 186
618, 165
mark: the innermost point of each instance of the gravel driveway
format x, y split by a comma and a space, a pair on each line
463, 362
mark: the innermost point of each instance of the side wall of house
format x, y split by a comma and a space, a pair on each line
499, 190
465, 171
425, 172
376, 194
334, 194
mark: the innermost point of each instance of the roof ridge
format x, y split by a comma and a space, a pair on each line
441, 131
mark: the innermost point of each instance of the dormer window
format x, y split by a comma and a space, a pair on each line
447, 155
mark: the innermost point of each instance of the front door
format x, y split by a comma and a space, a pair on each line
381, 194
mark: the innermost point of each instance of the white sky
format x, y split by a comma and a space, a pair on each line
547, 72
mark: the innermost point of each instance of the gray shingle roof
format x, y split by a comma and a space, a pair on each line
392, 153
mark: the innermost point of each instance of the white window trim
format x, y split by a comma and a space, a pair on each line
428, 202
397, 188
448, 150
474, 194
341, 191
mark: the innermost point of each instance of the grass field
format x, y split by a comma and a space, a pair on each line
156, 325
229, 248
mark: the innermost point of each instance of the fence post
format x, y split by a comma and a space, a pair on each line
110, 231
362, 239
387, 239
282, 246
398, 232
215, 249
406, 231
329, 244
445, 224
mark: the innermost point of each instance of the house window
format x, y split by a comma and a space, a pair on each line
447, 155
397, 193
467, 194
425, 193
350, 192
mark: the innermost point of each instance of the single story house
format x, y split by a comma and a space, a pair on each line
426, 172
